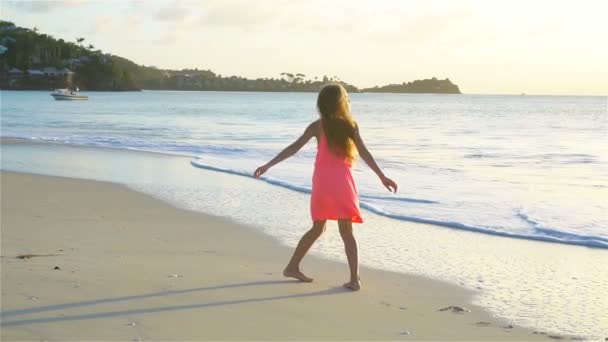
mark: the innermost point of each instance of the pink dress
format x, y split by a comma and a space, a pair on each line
334, 194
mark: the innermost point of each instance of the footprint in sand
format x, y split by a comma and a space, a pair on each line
455, 308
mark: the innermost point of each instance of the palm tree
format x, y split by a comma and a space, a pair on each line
79, 41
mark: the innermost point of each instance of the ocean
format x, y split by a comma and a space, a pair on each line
487, 183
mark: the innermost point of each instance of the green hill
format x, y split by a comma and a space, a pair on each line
33, 60
432, 85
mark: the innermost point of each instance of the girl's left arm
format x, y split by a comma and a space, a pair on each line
289, 150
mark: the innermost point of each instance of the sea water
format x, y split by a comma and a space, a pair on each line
496, 181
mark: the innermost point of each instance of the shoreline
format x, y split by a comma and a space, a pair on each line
235, 91
202, 255
461, 227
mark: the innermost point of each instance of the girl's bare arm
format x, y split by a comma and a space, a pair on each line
371, 162
290, 150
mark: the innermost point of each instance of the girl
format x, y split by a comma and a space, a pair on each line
334, 194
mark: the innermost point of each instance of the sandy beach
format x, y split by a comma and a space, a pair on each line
84, 260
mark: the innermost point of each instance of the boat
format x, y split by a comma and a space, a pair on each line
66, 94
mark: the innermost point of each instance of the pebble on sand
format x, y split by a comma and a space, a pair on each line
57, 268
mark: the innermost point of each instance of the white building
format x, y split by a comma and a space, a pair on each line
35, 72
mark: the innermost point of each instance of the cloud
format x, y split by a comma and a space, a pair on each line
41, 6
102, 24
176, 11
240, 14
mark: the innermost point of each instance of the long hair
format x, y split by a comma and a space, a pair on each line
338, 123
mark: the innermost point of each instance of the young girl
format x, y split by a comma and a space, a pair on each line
334, 194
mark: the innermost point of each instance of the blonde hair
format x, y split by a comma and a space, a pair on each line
338, 123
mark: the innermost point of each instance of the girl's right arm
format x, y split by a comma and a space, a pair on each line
369, 160
289, 150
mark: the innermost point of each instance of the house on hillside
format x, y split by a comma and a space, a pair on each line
9, 27
50, 71
14, 72
65, 72
7, 39
35, 72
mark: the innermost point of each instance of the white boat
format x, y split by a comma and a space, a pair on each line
65, 94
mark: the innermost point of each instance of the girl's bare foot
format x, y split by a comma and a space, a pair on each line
354, 285
297, 274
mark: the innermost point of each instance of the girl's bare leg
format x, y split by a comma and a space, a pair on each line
352, 253
293, 268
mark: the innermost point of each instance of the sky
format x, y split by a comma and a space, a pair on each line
485, 46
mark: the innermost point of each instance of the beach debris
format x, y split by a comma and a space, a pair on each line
385, 303
455, 308
29, 256
402, 308
555, 337
56, 268
32, 298
508, 326
405, 332
176, 276
482, 323
131, 323
539, 333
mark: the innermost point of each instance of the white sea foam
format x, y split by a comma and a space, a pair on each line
537, 232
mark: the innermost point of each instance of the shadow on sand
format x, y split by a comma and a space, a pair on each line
7, 314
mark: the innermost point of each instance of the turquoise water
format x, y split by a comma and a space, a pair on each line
529, 167
469, 168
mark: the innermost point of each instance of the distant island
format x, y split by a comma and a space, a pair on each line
30, 60
432, 85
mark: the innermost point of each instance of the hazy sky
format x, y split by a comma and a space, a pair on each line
484, 46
